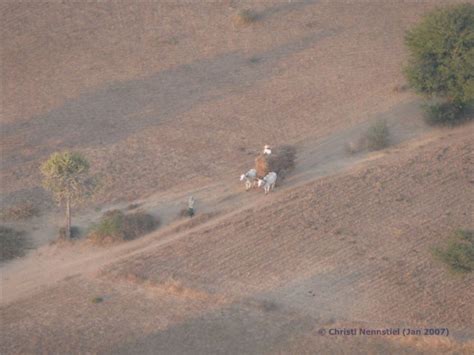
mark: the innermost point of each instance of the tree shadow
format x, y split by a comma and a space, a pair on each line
114, 112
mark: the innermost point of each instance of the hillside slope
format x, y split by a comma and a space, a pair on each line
160, 93
168, 99
348, 250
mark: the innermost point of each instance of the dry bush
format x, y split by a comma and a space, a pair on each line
75, 233
170, 286
97, 299
268, 306
245, 17
377, 135
133, 206
254, 60
116, 226
138, 223
12, 243
19, 212
281, 161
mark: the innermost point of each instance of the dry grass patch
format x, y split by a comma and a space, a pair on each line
13, 243
176, 288
19, 212
245, 17
170, 286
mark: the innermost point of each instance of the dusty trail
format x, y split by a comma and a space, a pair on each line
224, 199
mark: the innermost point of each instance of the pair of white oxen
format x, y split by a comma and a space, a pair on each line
251, 180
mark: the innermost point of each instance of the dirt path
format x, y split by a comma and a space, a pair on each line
50, 264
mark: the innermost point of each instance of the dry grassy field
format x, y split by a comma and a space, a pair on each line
168, 99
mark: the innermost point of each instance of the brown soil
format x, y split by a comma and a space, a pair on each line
172, 99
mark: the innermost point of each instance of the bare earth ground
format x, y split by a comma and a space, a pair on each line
184, 95
337, 257
168, 99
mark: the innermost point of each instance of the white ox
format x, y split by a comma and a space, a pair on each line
268, 182
250, 178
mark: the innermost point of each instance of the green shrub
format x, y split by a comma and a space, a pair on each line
12, 243
459, 253
441, 49
115, 226
445, 113
377, 135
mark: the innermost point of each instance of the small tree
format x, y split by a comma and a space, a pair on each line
65, 175
441, 50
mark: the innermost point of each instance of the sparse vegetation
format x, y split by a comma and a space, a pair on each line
268, 306
65, 175
19, 212
245, 17
12, 243
97, 299
133, 206
377, 135
116, 226
459, 253
442, 60
75, 233
254, 60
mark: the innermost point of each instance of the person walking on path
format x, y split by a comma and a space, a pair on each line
191, 206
